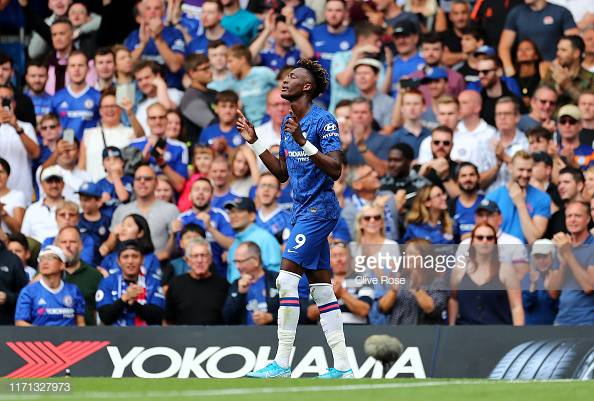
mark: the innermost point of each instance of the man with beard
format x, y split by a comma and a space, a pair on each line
570, 185
493, 86
441, 169
464, 206
83, 275
213, 220
270, 215
566, 74
289, 45
526, 210
36, 78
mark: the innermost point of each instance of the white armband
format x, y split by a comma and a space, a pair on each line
259, 146
309, 148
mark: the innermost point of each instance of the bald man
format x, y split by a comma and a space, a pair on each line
474, 138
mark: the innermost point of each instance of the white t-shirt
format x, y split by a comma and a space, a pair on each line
12, 200
13, 151
118, 136
40, 221
477, 147
73, 179
175, 96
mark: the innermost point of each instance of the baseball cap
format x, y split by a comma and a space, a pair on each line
52, 250
90, 189
52, 171
129, 244
112, 151
434, 73
542, 247
404, 27
486, 50
242, 203
373, 63
488, 206
570, 110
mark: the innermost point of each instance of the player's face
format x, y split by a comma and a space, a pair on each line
199, 260
438, 199
164, 191
50, 265
339, 258
240, 219
483, 240
295, 82
365, 77
397, 164
460, 15
506, 117
105, 66
412, 107
173, 127
522, 171
267, 191
246, 262
130, 261
441, 144
282, 36
437, 87
153, 9
144, 182
67, 217
576, 218
218, 57
52, 187
372, 221
210, 15
219, 173
468, 180
78, 14
70, 243
61, 36
200, 194
109, 111
19, 250
567, 186
77, 69
123, 61
227, 112
447, 114
432, 53
36, 78
335, 13
586, 106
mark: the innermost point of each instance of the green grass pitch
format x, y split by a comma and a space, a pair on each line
88, 389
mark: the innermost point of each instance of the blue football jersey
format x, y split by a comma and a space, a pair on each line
42, 103
112, 287
78, 112
42, 306
218, 202
276, 222
150, 265
176, 155
106, 186
98, 230
219, 220
271, 59
213, 131
313, 193
305, 17
465, 215
200, 43
325, 44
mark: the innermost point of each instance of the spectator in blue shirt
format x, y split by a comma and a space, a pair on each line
412, 132
242, 213
36, 78
50, 301
211, 29
526, 210
129, 298
253, 297
575, 275
289, 45
92, 222
540, 308
406, 38
429, 219
153, 40
222, 135
271, 216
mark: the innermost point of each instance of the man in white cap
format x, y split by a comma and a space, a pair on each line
539, 307
39, 222
50, 301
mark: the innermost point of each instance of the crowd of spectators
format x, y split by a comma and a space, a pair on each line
128, 197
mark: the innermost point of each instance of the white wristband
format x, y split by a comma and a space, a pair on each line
259, 147
309, 148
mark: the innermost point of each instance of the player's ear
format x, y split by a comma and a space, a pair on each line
308, 86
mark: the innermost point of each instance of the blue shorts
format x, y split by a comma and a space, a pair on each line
308, 244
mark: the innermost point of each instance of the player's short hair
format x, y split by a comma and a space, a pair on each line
106, 93
540, 132
577, 43
20, 239
362, 100
213, 44
521, 154
241, 51
575, 173
443, 128
192, 227
366, 29
509, 99
415, 92
217, 2
206, 180
254, 249
5, 58
61, 230
194, 60
432, 37
142, 64
104, 51
63, 20
227, 96
407, 151
343, 103
66, 205
195, 242
474, 31
32, 63
465, 164
78, 53
318, 73
446, 99
49, 116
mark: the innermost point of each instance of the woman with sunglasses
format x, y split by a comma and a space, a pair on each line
429, 219
422, 298
483, 289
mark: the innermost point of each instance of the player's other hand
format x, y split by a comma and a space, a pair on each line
245, 128
292, 127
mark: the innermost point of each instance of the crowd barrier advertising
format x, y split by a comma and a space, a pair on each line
231, 352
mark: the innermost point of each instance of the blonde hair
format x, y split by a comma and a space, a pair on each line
68, 205
419, 213
362, 211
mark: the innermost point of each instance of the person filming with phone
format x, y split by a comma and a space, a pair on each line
165, 155
18, 145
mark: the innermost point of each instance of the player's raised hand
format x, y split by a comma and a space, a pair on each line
245, 128
292, 127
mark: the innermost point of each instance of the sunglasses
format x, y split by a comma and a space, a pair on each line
46, 127
567, 120
444, 143
485, 237
374, 217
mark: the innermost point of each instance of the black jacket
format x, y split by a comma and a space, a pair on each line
12, 279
